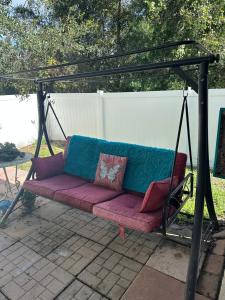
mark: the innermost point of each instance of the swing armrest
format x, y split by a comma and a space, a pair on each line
182, 185
185, 187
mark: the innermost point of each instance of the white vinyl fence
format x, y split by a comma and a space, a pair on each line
148, 118
18, 120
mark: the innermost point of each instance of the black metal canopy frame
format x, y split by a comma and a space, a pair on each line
203, 188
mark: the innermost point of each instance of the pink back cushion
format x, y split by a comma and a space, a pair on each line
45, 167
156, 194
180, 166
110, 171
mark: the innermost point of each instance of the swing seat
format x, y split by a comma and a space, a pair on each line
49, 186
124, 210
146, 165
85, 196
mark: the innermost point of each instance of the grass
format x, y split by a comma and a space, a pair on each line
218, 191
44, 152
218, 184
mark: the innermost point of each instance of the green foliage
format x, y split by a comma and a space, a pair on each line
44, 152
218, 192
50, 32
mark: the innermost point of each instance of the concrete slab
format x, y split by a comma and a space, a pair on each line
40, 201
51, 210
172, 259
6, 241
208, 285
214, 264
151, 284
181, 230
219, 248
136, 245
177, 231
22, 226
20, 212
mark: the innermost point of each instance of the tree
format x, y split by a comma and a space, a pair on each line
34, 39
51, 32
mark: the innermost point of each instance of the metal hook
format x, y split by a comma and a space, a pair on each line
52, 101
185, 90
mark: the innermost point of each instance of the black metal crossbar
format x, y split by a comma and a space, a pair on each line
132, 69
117, 55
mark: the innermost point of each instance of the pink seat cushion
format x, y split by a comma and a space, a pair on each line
47, 187
85, 196
156, 194
124, 210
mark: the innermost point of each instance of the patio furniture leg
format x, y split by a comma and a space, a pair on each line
7, 183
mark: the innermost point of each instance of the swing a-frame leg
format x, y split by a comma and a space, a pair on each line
203, 190
42, 131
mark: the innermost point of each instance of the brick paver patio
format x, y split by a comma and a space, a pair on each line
62, 253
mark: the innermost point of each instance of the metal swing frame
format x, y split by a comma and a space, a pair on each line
186, 186
203, 189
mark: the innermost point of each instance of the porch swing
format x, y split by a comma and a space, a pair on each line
114, 207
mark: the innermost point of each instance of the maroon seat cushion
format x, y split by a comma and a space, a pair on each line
85, 196
45, 167
124, 210
47, 187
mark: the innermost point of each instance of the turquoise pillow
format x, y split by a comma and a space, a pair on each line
82, 157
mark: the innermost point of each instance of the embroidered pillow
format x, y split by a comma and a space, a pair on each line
45, 167
110, 171
156, 194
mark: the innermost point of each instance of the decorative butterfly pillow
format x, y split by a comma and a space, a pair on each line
110, 171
